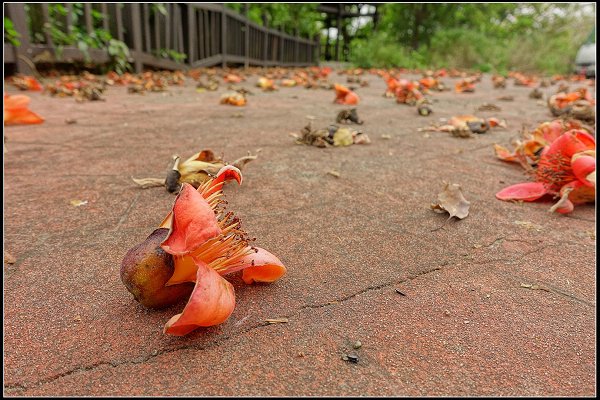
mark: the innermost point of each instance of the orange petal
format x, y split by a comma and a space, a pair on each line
185, 270
194, 222
266, 267
528, 191
211, 303
582, 167
503, 153
226, 173
21, 116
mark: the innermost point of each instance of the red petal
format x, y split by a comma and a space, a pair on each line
211, 303
266, 267
194, 222
226, 173
582, 167
528, 191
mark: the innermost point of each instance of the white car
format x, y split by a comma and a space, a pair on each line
585, 60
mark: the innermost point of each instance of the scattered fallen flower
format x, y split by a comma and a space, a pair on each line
196, 170
267, 85
26, 82
464, 86
465, 125
197, 242
488, 107
579, 104
506, 98
349, 116
499, 82
566, 169
233, 98
332, 135
16, 111
343, 95
536, 94
528, 149
424, 109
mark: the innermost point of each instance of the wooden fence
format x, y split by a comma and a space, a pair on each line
209, 34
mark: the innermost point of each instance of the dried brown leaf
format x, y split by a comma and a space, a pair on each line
452, 200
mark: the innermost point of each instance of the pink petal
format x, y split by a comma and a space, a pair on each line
263, 267
528, 191
211, 303
193, 223
582, 167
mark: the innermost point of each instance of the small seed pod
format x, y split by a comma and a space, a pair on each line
424, 110
478, 127
172, 180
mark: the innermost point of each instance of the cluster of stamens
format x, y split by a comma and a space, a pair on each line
225, 251
555, 172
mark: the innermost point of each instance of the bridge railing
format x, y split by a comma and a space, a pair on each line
208, 34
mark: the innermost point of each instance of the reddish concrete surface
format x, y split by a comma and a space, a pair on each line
465, 326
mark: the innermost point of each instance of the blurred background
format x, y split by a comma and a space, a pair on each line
489, 37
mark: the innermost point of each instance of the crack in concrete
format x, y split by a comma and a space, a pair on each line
370, 288
551, 289
127, 211
140, 360
21, 258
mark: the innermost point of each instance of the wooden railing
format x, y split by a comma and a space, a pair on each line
209, 34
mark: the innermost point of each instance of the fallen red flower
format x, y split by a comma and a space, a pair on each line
16, 111
343, 95
566, 169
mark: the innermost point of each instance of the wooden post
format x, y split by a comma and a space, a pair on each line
281, 45
119, 16
136, 23
104, 8
19, 19
327, 39
246, 38
337, 36
266, 42
89, 23
191, 23
224, 36
46, 16
296, 47
317, 58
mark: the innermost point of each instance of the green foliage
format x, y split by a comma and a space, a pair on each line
380, 51
487, 37
10, 33
171, 54
290, 16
